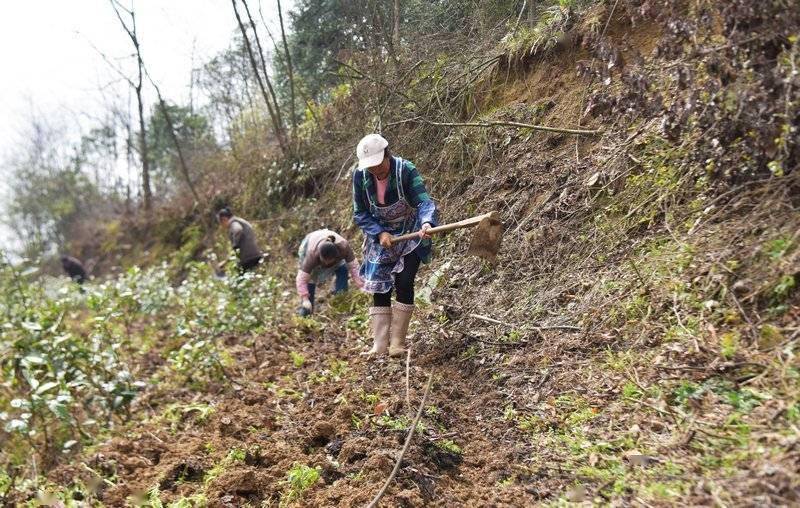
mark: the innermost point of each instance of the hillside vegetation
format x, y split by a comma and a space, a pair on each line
635, 343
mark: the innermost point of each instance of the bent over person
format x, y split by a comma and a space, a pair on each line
323, 254
74, 268
390, 199
243, 239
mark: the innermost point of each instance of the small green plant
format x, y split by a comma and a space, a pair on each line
298, 480
530, 423
336, 370
506, 482
449, 446
370, 398
741, 399
778, 247
783, 288
432, 410
470, 352
631, 391
297, 359
619, 361
399, 423
176, 413
728, 344
792, 414
234, 455
509, 413
512, 337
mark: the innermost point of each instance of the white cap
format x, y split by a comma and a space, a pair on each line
370, 150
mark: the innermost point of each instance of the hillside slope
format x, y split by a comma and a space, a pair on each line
635, 343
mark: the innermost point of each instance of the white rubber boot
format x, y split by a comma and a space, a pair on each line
401, 316
380, 319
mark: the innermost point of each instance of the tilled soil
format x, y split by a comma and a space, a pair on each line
342, 423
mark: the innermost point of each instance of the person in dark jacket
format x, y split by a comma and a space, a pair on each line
243, 239
74, 268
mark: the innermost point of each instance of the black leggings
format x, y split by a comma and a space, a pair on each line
403, 283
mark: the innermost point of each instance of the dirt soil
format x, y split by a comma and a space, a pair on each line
548, 398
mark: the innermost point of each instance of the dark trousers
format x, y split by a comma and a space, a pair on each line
403, 283
246, 266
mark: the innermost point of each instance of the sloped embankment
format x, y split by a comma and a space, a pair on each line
635, 343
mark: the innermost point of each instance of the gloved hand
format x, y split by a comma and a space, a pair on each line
307, 304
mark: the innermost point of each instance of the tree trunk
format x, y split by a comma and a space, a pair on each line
291, 79
147, 193
273, 114
173, 135
396, 29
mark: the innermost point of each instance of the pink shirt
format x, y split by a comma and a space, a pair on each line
380, 188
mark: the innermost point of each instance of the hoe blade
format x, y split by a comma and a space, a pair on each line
486, 238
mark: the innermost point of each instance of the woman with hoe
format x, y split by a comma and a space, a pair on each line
390, 199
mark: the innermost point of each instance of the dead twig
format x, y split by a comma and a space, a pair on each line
408, 377
496, 123
753, 330
380, 493
535, 327
488, 319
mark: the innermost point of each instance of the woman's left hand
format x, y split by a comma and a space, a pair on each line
423, 231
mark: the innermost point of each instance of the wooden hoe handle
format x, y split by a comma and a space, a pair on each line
466, 223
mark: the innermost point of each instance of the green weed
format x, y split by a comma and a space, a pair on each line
234, 455
336, 371
176, 413
297, 359
729, 344
530, 423
449, 446
777, 248
631, 391
299, 479
509, 413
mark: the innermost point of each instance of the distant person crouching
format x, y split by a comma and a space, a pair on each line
74, 268
243, 239
323, 254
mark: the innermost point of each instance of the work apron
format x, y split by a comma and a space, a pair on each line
381, 264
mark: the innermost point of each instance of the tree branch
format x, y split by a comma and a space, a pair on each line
272, 114
380, 494
291, 76
486, 125
173, 135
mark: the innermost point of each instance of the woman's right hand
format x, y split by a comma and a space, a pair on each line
385, 240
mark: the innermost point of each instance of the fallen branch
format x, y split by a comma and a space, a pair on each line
498, 123
537, 328
380, 494
408, 376
488, 319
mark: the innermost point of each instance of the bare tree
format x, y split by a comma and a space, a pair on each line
291, 75
272, 104
130, 29
174, 137
299, 88
396, 29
